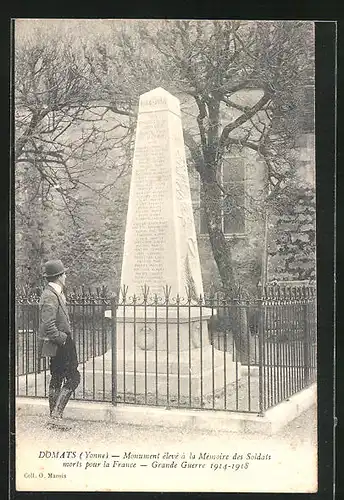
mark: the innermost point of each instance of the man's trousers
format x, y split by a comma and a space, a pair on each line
65, 376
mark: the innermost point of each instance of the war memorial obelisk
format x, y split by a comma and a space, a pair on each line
163, 349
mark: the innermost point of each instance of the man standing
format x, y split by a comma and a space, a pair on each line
56, 343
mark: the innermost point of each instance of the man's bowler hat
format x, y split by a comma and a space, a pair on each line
54, 268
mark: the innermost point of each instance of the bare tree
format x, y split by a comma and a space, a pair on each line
63, 128
71, 148
212, 62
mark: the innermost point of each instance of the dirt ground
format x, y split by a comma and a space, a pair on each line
292, 468
301, 430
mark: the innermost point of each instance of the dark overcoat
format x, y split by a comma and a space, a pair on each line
54, 328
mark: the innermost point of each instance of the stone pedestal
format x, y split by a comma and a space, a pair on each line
152, 330
195, 373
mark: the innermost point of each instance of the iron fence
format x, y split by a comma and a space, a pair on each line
207, 352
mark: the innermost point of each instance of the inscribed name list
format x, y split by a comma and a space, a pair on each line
160, 239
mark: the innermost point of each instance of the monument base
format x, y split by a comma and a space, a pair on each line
177, 332
187, 374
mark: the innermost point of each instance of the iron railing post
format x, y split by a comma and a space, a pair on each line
83, 339
261, 351
114, 350
306, 336
248, 341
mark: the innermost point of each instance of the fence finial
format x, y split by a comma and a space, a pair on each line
145, 292
123, 292
167, 291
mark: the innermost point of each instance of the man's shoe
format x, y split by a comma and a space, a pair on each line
59, 423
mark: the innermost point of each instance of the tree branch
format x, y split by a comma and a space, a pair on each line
244, 117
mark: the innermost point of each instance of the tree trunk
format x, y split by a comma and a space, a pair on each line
222, 252
220, 246
212, 205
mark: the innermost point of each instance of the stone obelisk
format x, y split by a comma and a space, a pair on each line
163, 347
160, 245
